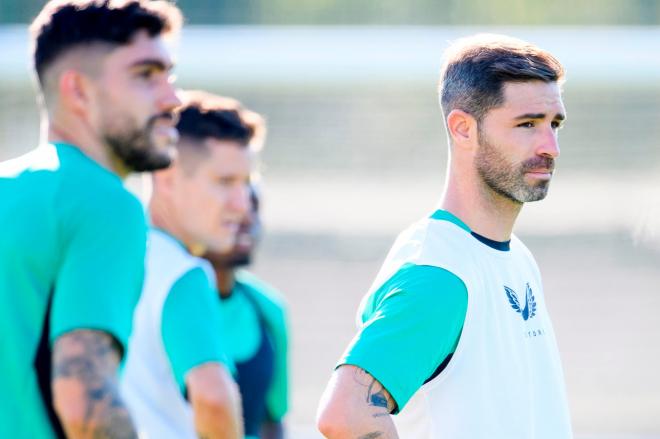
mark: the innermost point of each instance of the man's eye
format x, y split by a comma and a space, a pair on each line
526, 125
146, 74
556, 124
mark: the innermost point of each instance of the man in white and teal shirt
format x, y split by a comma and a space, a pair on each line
73, 238
455, 340
178, 376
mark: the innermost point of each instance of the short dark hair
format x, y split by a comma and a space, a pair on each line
204, 115
64, 24
477, 67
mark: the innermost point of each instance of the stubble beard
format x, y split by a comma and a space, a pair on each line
136, 148
236, 259
508, 179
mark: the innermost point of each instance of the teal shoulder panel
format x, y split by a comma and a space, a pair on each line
410, 325
443, 215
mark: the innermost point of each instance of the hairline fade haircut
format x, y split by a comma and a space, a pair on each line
63, 25
476, 68
204, 116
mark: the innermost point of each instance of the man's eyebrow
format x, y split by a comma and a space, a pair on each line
154, 63
558, 116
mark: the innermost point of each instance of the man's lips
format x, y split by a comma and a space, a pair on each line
540, 172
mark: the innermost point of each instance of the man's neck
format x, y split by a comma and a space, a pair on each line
164, 217
486, 212
226, 279
88, 144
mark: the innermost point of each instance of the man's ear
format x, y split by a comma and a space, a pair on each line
74, 90
462, 128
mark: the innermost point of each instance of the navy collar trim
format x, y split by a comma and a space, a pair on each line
503, 246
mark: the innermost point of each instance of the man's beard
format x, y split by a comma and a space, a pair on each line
508, 179
232, 259
237, 260
136, 148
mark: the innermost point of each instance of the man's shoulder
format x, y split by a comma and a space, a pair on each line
83, 177
418, 285
257, 286
32, 176
433, 234
518, 246
269, 300
80, 187
170, 263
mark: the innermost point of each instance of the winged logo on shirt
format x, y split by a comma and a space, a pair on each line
529, 310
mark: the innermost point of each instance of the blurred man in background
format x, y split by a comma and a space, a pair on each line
255, 327
455, 336
177, 379
74, 239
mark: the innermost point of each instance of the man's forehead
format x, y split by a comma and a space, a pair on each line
142, 48
229, 157
533, 96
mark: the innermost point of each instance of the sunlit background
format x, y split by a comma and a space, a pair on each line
356, 150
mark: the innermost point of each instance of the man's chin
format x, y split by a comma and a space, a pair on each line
240, 261
236, 260
536, 194
151, 163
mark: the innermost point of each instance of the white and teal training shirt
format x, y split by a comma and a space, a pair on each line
457, 331
177, 327
72, 257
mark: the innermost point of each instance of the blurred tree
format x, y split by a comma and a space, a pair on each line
395, 12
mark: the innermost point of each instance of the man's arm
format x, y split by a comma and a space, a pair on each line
356, 406
215, 401
85, 386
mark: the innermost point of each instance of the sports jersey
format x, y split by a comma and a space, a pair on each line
256, 334
72, 252
504, 378
176, 327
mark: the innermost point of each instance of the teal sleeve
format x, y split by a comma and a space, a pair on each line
191, 325
102, 265
277, 398
273, 309
410, 325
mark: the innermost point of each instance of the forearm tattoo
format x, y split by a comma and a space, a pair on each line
376, 395
91, 358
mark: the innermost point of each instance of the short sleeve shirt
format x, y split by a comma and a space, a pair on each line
72, 253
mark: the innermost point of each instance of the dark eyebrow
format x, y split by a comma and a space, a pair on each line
153, 63
558, 116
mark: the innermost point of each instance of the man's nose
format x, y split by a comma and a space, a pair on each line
549, 145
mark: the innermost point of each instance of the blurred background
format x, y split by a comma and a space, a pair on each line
356, 151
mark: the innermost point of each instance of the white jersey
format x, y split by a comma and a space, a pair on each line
148, 385
505, 378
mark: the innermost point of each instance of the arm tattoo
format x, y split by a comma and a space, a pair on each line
91, 358
376, 396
